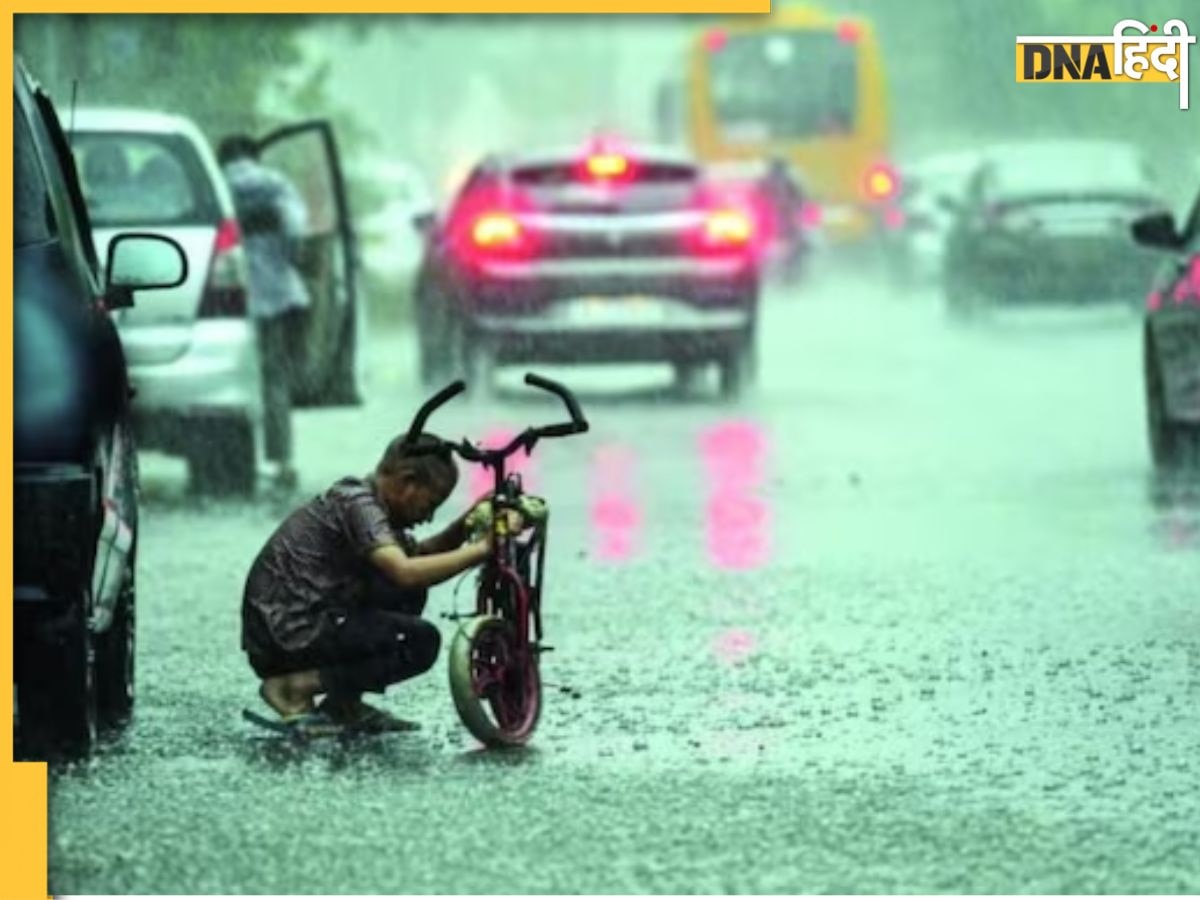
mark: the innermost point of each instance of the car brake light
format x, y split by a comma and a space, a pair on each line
607, 165
881, 183
225, 288
1187, 289
848, 32
727, 228
495, 230
810, 215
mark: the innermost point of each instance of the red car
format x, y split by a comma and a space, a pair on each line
1172, 340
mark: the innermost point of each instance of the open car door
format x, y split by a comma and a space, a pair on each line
327, 366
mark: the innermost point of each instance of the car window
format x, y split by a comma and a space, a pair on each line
1057, 171
650, 187
33, 217
143, 180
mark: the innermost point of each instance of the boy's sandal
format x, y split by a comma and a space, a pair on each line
303, 725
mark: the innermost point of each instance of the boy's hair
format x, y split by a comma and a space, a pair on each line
427, 460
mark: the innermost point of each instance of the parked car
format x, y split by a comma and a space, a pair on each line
1046, 221
1171, 340
192, 354
593, 254
75, 503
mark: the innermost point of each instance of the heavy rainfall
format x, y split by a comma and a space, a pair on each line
877, 570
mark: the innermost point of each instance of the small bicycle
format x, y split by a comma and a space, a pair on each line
494, 657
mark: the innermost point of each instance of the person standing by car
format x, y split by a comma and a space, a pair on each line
273, 218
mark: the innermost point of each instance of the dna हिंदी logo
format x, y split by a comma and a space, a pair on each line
1147, 56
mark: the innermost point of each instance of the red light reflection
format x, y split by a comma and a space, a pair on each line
734, 646
615, 512
480, 480
738, 521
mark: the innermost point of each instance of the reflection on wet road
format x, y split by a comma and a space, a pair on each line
912, 617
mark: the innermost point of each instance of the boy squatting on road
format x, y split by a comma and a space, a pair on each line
333, 602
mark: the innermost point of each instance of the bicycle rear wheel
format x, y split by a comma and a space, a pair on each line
495, 683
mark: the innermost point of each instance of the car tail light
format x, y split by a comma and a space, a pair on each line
225, 288
881, 183
848, 32
1154, 301
1187, 288
728, 227
607, 165
495, 229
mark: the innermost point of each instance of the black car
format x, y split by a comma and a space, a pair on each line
75, 503
1171, 341
1049, 221
589, 255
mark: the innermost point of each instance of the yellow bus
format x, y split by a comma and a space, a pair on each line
804, 86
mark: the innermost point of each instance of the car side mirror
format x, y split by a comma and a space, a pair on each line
140, 261
1157, 229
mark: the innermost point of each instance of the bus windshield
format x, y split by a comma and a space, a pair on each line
784, 85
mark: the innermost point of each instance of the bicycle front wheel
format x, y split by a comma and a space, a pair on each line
495, 683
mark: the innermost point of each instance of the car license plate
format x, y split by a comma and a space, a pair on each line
631, 311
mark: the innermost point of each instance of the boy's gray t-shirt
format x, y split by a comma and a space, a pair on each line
317, 561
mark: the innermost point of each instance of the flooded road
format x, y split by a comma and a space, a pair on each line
912, 617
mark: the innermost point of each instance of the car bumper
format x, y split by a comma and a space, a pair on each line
1084, 270
616, 329
531, 287
217, 377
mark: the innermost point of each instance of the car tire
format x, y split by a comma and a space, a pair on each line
56, 684
737, 368
223, 462
477, 358
435, 346
116, 657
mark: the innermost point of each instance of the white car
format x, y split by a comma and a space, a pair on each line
192, 351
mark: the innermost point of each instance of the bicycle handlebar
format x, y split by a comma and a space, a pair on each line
527, 438
426, 410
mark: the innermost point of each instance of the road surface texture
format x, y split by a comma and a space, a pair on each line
913, 616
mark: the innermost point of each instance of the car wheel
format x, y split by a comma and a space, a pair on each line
1172, 445
478, 363
115, 657
223, 461
435, 341
736, 368
56, 684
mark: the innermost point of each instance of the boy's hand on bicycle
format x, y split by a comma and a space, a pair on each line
478, 523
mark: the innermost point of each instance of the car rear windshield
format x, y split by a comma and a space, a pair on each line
1083, 173
134, 179
651, 186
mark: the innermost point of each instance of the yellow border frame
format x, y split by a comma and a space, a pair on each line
23, 819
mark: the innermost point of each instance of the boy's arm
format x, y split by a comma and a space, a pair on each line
426, 571
450, 537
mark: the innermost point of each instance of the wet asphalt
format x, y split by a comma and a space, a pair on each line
914, 616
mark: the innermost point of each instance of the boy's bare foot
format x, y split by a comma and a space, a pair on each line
291, 694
